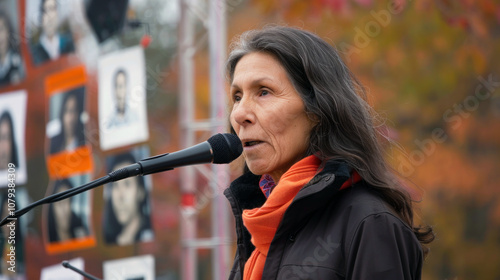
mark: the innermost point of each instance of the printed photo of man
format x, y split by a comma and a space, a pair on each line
122, 99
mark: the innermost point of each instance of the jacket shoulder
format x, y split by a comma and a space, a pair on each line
360, 204
377, 241
361, 201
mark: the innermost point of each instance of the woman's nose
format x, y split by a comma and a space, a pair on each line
243, 112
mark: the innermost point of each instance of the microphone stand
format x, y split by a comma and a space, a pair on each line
81, 272
220, 148
128, 171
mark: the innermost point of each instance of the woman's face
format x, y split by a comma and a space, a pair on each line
5, 144
4, 37
49, 18
62, 211
70, 116
126, 196
268, 115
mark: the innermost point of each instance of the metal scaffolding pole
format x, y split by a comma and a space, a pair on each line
217, 49
186, 117
218, 175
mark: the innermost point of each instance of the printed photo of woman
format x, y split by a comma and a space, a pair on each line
127, 214
12, 132
11, 63
8, 148
71, 132
63, 222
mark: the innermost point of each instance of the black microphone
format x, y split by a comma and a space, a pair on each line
219, 149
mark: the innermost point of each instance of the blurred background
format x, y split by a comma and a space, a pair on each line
430, 69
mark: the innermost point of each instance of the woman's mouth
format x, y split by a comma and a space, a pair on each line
251, 143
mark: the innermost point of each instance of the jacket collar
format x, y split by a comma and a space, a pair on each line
316, 194
246, 191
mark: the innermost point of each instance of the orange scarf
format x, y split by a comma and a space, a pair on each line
263, 222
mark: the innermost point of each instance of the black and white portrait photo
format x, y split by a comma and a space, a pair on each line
122, 99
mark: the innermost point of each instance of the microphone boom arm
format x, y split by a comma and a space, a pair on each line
220, 148
56, 197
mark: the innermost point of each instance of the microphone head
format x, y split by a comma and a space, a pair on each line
226, 147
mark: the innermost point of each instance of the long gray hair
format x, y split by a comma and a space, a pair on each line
333, 97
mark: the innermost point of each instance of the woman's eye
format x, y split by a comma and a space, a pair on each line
264, 92
236, 97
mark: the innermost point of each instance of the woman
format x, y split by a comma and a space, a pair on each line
319, 201
64, 223
71, 135
11, 64
126, 217
8, 149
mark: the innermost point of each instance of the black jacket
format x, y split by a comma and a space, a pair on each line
40, 54
329, 234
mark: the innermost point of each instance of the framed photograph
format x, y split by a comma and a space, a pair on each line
122, 99
47, 29
127, 203
12, 135
66, 120
67, 148
12, 67
67, 222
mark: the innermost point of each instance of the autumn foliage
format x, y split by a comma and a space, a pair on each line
431, 71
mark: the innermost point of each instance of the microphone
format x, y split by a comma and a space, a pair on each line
218, 149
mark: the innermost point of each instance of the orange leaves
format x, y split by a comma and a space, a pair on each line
432, 70
471, 57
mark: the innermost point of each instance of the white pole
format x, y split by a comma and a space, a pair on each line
217, 50
186, 118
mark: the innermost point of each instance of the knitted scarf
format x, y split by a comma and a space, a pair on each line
263, 222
